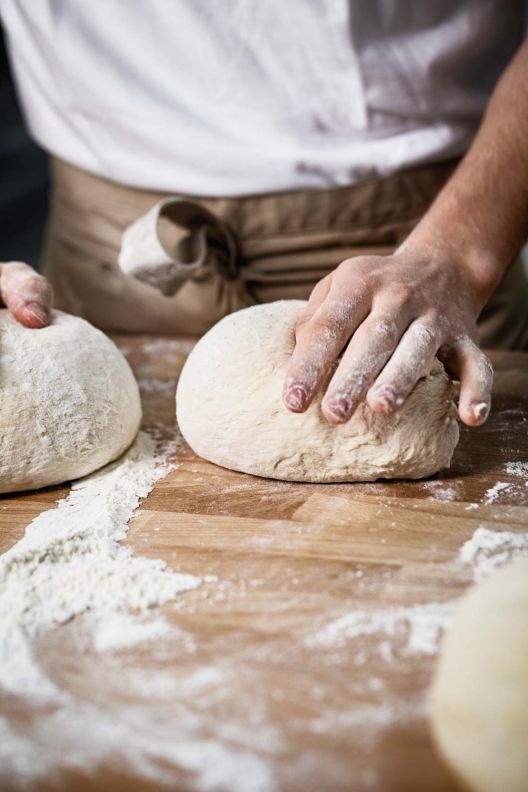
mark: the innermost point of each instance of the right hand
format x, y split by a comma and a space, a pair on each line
26, 294
392, 315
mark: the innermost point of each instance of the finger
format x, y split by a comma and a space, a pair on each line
411, 360
371, 346
27, 294
471, 366
320, 338
294, 392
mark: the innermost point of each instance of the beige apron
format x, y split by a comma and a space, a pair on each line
227, 253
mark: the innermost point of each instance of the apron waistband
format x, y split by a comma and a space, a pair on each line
178, 236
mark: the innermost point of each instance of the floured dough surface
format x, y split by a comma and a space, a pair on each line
230, 411
69, 403
479, 703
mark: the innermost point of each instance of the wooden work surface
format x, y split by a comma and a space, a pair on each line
258, 692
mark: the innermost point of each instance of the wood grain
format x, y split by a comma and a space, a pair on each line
248, 685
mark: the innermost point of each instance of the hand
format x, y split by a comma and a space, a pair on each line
27, 295
395, 313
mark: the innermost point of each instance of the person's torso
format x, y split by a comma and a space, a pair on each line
243, 97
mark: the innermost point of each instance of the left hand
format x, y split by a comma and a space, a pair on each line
395, 313
27, 295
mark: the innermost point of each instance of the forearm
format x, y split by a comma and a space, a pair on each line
480, 218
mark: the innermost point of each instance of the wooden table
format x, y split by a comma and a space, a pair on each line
256, 688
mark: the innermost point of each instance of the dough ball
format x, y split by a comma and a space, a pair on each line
479, 701
69, 402
230, 411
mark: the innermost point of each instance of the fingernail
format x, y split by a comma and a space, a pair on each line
296, 397
37, 312
386, 397
340, 407
480, 411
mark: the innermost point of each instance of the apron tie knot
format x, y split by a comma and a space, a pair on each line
173, 240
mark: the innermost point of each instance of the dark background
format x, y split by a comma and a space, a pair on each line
24, 178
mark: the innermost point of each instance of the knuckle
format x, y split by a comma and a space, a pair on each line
315, 336
358, 271
354, 263
303, 321
38, 278
16, 268
36, 283
321, 325
462, 344
384, 327
46, 286
348, 264
434, 317
428, 334
401, 294
485, 364
476, 356
37, 287
319, 293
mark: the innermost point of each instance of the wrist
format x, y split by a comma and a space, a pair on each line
479, 268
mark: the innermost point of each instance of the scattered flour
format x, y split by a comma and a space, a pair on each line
155, 385
164, 347
143, 740
448, 494
519, 469
489, 549
421, 624
172, 352
70, 561
377, 716
114, 631
441, 491
492, 494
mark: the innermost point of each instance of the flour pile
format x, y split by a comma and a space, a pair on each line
70, 561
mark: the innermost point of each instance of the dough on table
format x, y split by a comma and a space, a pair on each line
479, 701
69, 402
230, 411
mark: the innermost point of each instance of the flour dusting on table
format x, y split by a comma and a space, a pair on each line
70, 561
419, 626
492, 494
488, 549
155, 385
116, 631
519, 469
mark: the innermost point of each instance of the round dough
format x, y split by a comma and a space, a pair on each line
230, 411
69, 402
479, 702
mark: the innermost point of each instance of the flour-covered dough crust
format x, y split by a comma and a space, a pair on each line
230, 411
69, 402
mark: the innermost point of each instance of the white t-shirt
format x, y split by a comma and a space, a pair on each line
246, 96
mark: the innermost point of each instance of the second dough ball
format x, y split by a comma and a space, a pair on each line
479, 703
69, 402
230, 411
